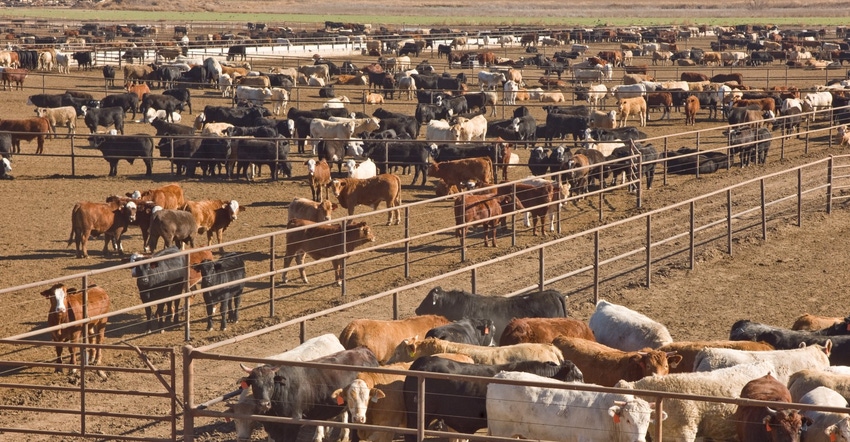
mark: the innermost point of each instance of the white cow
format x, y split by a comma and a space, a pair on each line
785, 362
489, 80
364, 170
225, 83
507, 40
511, 89
625, 329
336, 102
255, 95
564, 415
816, 101
819, 429
627, 91
367, 124
711, 419
471, 129
152, 114
592, 75
314, 348
596, 94
62, 62
59, 116
439, 130
279, 99
407, 84
805, 381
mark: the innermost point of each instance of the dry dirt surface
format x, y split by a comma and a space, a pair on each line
797, 270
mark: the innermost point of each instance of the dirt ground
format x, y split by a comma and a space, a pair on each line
798, 270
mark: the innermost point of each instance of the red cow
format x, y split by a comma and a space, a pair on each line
760, 423
66, 305
535, 199
323, 242
139, 89
603, 365
471, 208
458, 172
12, 75
27, 129
386, 187
320, 177
691, 109
109, 219
169, 196
383, 337
214, 216
543, 330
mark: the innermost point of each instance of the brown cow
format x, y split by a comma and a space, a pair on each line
578, 173
323, 242
319, 174
13, 75
660, 99
632, 106
486, 58
214, 216
766, 104
535, 199
603, 365
691, 109
304, 208
812, 322
27, 129
471, 208
138, 90
760, 423
693, 77
169, 196
383, 337
544, 330
109, 219
144, 211
458, 172
66, 305
689, 349
386, 187
137, 73
725, 78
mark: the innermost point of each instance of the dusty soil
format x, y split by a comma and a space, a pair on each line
797, 270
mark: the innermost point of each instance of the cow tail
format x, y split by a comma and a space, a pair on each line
488, 175
73, 213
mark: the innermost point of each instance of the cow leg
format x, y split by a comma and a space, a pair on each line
58, 356
299, 259
233, 311
224, 306
209, 303
337, 264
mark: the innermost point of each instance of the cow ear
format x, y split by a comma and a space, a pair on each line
335, 206
614, 412
376, 394
674, 360
338, 396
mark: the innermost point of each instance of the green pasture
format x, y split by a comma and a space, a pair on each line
673, 16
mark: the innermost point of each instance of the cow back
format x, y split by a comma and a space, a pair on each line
543, 330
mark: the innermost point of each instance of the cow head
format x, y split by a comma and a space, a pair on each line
357, 396
656, 363
840, 431
57, 296
233, 208
7, 165
633, 416
337, 186
263, 381
785, 424
311, 166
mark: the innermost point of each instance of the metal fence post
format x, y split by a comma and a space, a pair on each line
596, 267
648, 250
829, 177
729, 221
407, 243
691, 236
344, 250
188, 394
272, 258
763, 211
799, 197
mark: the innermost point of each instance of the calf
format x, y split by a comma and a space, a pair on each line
543, 330
764, 423
320, 177
472, 208
632, 106
174, 227
302, 208
66, 305
386, 187
26, 129
214, 216
230, 267
603, 365
109, 219
324, 241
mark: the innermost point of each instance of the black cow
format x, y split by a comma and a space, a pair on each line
83, 59
183, 150
28, 59
349, 68
165, 128
327, 91
444, 50
237, 116
161, 102
302, 392
458, 105
416, 154
457, 304
648, 154
684, 161
461, 405
282, 81
785, 339
253, 131
230, 267
166, 76
129, 148
751, 144
538, 162
431, 97
759, 58
790, 121
466, 331
559, 125
132, 54
183, 95
406, 125
126, 101
446, 82
424, 67
382, 113
161, 280
109, 75
106, 116
6, 145
236, 51
210, 155
196, 75
45, 100
275, 154
410, 48
451, 152
427, 112
620, 133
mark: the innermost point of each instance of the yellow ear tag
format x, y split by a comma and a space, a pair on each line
340, 400
616, 418
767, 427
412, 353
243, 385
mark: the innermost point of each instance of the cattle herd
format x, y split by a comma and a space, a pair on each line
525, 338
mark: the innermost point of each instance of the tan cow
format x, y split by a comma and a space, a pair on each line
415, 348
352, 192
169, 196
811, 322
689, 349
632, 106
458, 172
214, 216
543, 330
384, 337
323, 242
603, 365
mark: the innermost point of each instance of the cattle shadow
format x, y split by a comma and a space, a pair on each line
57, 176
39, 255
